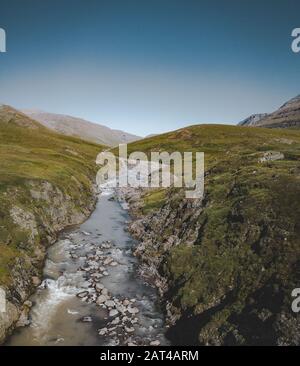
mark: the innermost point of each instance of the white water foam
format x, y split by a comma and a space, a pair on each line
51, 294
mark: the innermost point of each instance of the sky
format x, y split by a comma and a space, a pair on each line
149, 66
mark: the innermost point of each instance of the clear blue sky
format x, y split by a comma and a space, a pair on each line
149, 66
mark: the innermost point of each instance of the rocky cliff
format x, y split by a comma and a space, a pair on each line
49, 211
46, 184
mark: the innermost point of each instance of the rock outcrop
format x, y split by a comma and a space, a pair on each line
230, 294
253, 120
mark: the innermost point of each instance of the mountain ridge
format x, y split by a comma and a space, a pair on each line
253, 119
78, 127
286, 116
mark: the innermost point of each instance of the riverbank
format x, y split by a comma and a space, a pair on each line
44, 227
46, 184
91, 293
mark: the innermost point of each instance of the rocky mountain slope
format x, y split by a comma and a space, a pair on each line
46, 184
287, 116
225, 265
72, 126
253, 120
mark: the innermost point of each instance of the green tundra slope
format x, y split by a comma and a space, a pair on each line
46, 183
226, 265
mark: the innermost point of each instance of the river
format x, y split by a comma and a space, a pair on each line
91, 294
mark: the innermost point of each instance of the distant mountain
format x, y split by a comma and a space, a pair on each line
72, 126
253, 120
287, 116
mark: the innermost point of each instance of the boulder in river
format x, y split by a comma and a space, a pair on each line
103, 331
155, 343
129, 329
116, 321
101, 299
110, 303
132, 310
82, 294
86, 319
113, 312
99, 287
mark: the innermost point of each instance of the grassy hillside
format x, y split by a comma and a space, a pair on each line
228, 150
215, 140
232, 261
32, 158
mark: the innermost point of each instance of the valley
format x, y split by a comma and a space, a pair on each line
91, 294
213, 271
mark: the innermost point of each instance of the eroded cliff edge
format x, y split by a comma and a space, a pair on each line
46, 184
35, 218
225, 274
